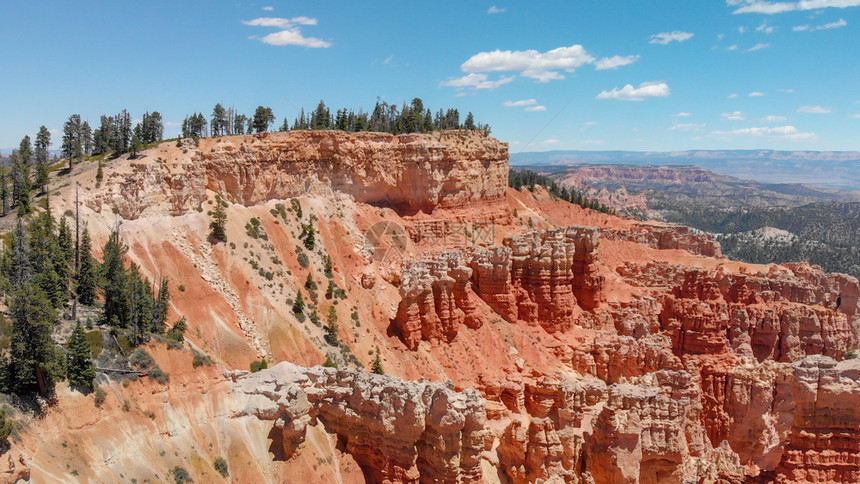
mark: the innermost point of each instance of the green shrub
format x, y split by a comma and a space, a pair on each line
259, 365
200, 359
303, 259
851, 355
220, 464
180, 475
99, 396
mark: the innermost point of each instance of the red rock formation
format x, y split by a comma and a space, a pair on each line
824, 444
666, 236
436, 298
397, 431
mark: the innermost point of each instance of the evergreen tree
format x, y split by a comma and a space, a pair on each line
72, 146
4, 188
177, 332
87, 277
217, 228
310, 284
34, 364
263, 117
377, 364
309, 235
299, 303
80, 369
470, 122
16, 259
43, 141
219, 121
114, 282
239, 123
85, 134
151, 128
140, 304
160, 307
21, 186
50, 268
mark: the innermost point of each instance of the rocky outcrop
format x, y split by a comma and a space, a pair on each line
666, 236
397, 431
538, 277
824, 445
410, 172
436, 298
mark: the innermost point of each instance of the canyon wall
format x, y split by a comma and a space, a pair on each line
410, 172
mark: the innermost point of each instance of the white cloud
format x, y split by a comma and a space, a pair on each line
721, 36
773, 119
832, 25
785, 132
732, 47
268, 9
734, 116
388, 59
814, 110
765, 28
664, 38
542, 66
520, 103
536, 108
770, 8
733, 95
756, 94
280, 22
593, 141
687, 127
787, 91
855, 116
590, 123
759, 46
615, 62
495, 9
291, 35
742, 29
550, 141
644, 91
477, 81
682, 115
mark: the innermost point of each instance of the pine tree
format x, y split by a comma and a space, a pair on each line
34, 364
114, 282
219, 120
140, 304
377, 364
16, 260
21, 177
87, 278
43, 141
263, 117
72, 147
217, 228
299, 303
310, 284
4, 188
80, 369
160, 307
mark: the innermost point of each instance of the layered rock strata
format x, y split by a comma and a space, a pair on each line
410, 172
397, 431
538, 277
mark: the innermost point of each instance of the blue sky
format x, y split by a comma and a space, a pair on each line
594, 75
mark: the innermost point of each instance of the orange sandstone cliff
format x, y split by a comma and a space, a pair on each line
524, 339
